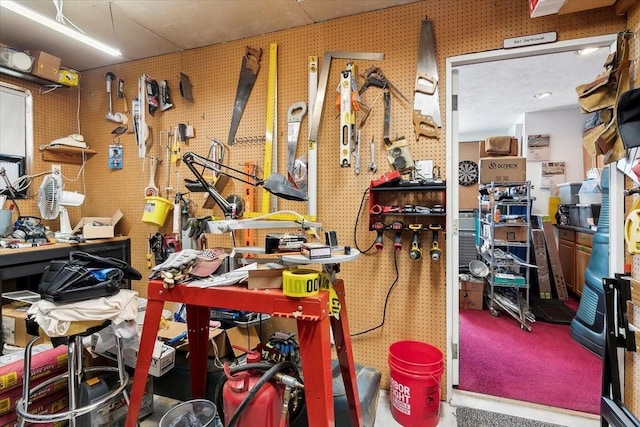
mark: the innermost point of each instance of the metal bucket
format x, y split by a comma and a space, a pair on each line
193, 413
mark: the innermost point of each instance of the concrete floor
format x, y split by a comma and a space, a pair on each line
383, 415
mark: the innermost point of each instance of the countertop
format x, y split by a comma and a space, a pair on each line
578, 229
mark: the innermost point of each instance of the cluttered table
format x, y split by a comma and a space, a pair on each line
312, 314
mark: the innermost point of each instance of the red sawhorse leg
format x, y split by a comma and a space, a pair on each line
342, 340
145, 353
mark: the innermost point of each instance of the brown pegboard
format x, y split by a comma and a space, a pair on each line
632, 360
416, 308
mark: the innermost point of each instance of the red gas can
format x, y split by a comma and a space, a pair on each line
265, 407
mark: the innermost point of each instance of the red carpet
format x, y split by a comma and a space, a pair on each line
544, 366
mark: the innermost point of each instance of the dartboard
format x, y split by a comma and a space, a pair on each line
467, 172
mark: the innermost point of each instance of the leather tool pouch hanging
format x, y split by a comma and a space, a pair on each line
601, 96
600, 93
83, 277
628, 116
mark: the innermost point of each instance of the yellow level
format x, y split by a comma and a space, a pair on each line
271, 106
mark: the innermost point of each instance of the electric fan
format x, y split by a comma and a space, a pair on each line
52, 201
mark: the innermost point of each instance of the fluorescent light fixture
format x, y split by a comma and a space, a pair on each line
56, 26
542, 95
588, 50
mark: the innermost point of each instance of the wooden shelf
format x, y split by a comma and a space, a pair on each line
64, 154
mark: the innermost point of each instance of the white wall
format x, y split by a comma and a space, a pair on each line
565, 130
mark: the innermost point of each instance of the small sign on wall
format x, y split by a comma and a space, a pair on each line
530, 40
553, 173
538, 147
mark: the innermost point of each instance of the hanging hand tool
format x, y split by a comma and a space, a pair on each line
142, 129
164, 143
372, 165
294, 118
175, 146
149, 251
373, 76
368, 111
415, 252
435, 251
426, 102
122, 117
397, 227
111, 116
347, 118
379, 227
387, 118
152, 189
248, 75
165, 96
349, 103
156, 243
356, 155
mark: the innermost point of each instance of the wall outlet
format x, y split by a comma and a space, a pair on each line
56, 168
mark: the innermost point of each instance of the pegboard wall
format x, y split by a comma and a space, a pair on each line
416, 308
632, 360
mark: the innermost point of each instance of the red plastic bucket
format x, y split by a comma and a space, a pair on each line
415, 372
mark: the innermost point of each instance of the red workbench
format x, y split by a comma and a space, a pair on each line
313, 320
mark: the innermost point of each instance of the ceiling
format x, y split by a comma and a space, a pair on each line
492, 105
144, 28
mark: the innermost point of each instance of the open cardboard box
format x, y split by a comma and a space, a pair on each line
98, 227
14, 328
264, 276
224, 339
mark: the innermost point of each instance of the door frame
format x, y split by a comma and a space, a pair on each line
454, 396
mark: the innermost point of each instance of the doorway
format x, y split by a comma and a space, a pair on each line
454, 66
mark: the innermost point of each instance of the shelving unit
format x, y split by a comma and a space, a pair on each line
64, 154
504, 245
30, 78
407, 201
413, 208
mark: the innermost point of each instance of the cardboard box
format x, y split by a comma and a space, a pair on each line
471, 294
511, 233
503, 169
162, 359
98, 227
223, 339
45, 65
265, 276
68, 77
513, 149
14, 328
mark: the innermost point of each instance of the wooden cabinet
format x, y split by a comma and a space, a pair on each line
584, 242
574, 248
567, 254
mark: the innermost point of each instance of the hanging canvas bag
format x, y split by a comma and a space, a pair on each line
604, 137
601, 92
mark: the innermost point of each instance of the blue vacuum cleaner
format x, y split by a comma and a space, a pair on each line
587, 328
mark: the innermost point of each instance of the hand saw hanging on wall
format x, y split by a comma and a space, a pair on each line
248, 76
426, 102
